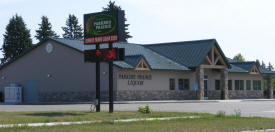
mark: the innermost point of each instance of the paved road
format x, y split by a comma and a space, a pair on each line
247, 108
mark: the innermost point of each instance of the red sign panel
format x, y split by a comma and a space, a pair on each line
101, 39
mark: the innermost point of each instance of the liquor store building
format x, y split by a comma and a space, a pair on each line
54, 71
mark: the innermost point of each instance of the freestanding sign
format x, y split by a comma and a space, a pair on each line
104, 27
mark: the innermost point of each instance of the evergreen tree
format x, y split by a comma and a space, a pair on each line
258, 62
72, 29
239, 58
45, 29
270, 67
263, 65
113, 7
17, 38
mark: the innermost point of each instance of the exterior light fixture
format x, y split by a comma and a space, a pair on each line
104, 73
49, 75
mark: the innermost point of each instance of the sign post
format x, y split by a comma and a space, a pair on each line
104, 27
97, 83
111, 89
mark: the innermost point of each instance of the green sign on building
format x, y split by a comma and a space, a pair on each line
104, 27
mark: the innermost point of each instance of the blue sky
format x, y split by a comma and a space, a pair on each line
240, 26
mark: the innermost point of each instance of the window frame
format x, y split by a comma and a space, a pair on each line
186, 84
239, 84
248, 82
172, 84
257, 85
180, 84
217, 84
230, 86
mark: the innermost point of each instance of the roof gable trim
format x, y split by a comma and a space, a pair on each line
214, 59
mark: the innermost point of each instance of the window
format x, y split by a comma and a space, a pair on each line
239, 85
172, 83
180, 84
186, 84
256, 84
229, 84
217, 84
248, 84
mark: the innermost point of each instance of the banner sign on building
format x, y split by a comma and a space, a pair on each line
114, 54
104, 27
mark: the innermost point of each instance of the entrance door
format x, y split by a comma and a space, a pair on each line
31, 92
205, 87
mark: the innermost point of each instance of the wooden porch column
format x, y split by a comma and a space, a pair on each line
200, 81
269, 87
224, 84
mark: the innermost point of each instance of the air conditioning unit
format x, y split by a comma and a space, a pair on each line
13, 94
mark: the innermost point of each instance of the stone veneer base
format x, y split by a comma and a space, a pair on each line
143, 95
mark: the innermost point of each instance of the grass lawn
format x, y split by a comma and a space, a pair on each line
60, 116
206, 122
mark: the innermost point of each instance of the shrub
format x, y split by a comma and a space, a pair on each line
237, 113
220, 114
145, 110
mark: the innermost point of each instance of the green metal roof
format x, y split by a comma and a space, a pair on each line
188, 53
236, 69
132, 51
179, 56
265, 71
246, 67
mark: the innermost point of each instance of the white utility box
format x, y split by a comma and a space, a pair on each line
13, 94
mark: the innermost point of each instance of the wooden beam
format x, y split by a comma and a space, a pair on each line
212, 55
208, 60
216, 61
140, 65
213, 66
254, 70
218, 54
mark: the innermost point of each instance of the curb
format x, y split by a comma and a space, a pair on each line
266, 130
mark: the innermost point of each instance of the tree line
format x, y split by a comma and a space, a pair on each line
239, 58
17, 38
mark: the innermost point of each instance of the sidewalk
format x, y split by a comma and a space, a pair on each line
145, 102
189, 101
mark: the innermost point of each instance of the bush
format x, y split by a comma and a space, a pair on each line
238, 113
144, 110
220, 114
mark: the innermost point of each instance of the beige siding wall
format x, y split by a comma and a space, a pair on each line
215, 75
236, 76
159, 81
66, 66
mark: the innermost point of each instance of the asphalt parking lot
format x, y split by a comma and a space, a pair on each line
247, 108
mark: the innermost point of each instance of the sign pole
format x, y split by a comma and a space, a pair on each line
97, 83
111, 98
